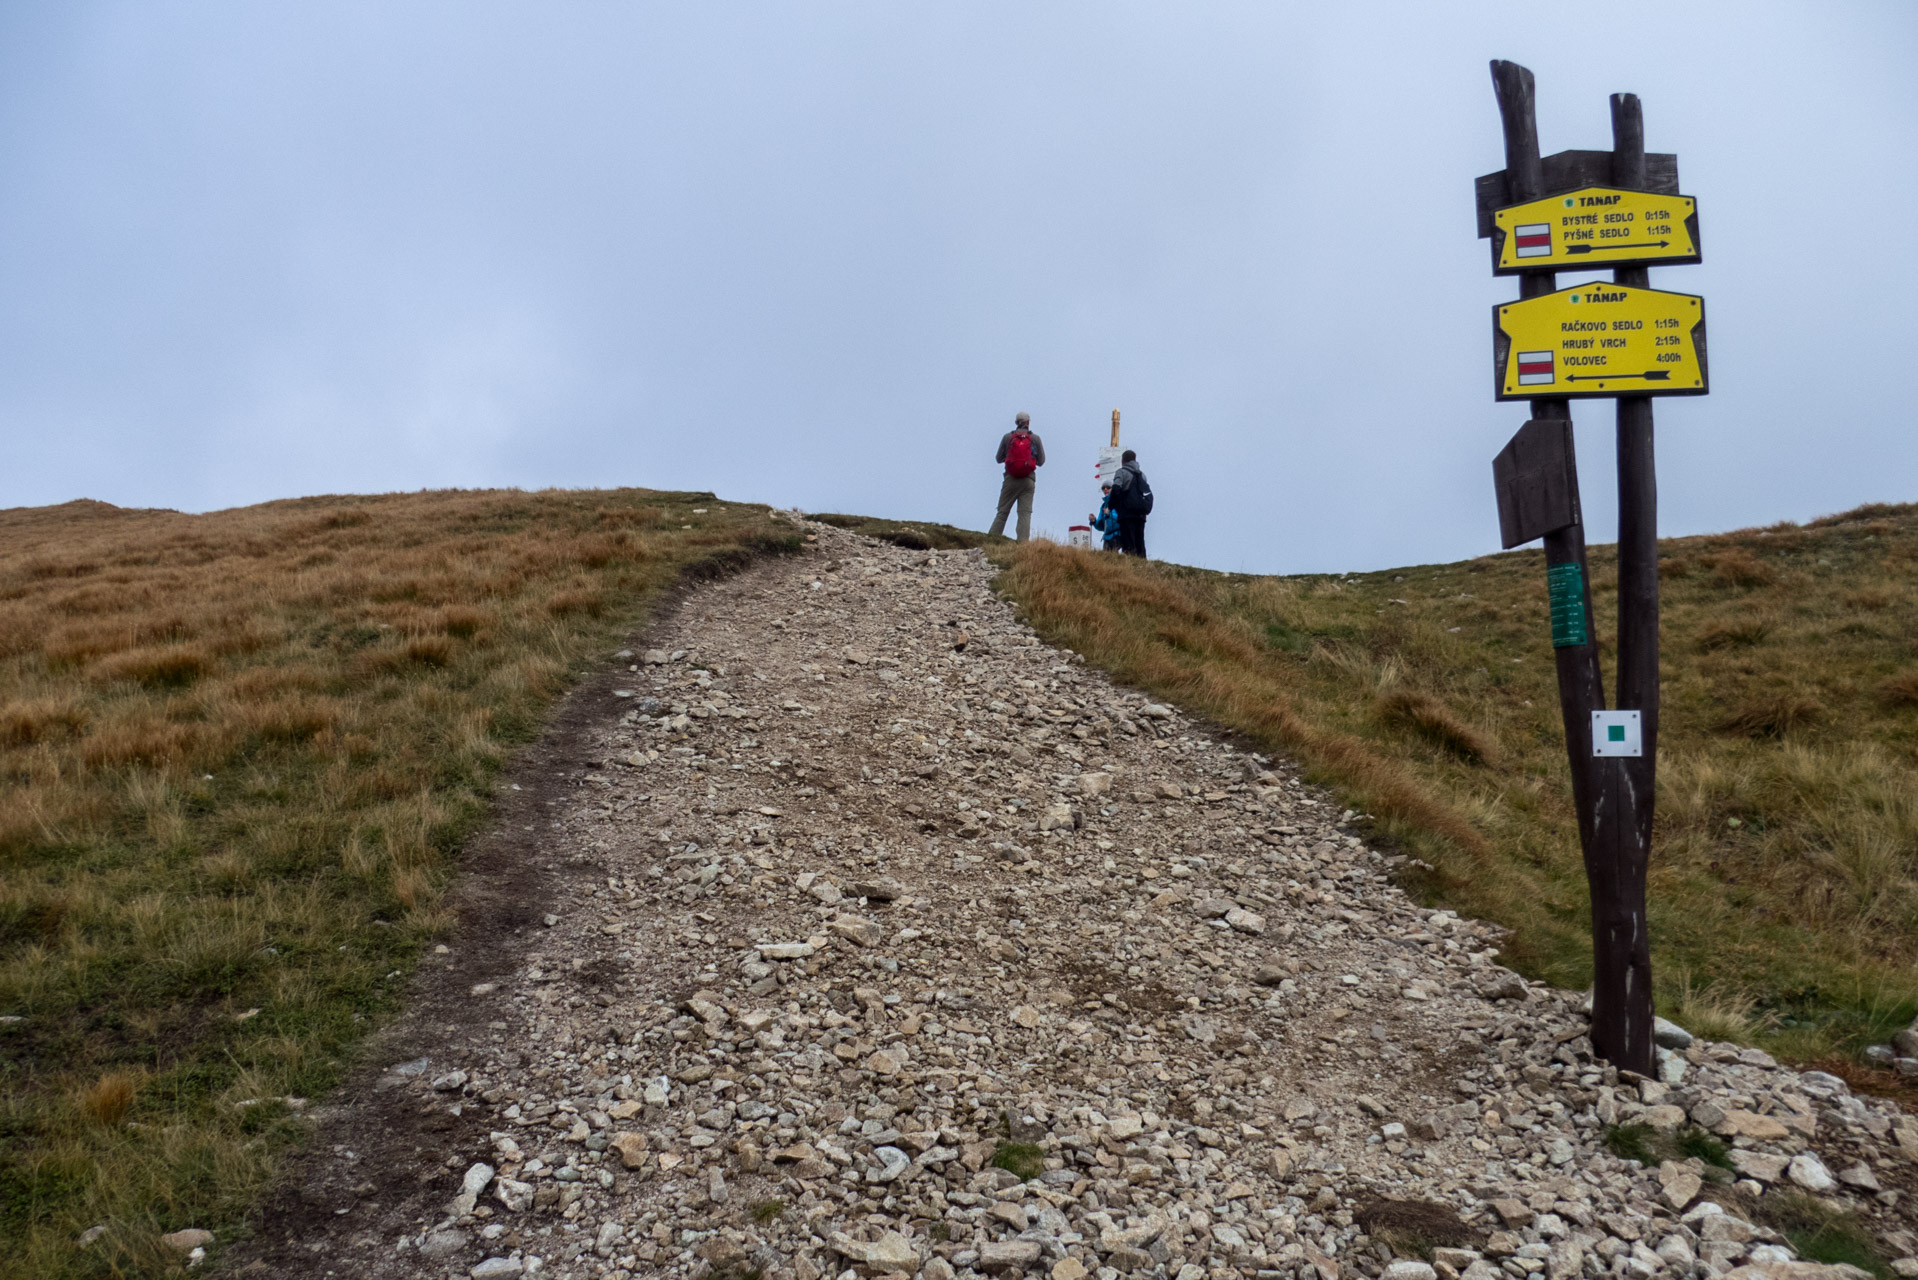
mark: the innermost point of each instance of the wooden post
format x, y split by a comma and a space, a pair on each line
1115, 428
1581, 688
1620, 937
1613, 796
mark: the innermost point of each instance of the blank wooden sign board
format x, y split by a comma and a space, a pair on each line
1537, 480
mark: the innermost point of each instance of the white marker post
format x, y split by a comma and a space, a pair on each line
1108, 457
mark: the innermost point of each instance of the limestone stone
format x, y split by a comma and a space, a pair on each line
1739, 1123
1408, 1269
1761, 1166
892, 1252
187, 1240
630, 1148
515, 1195
1678, 1185
1809, 1172
996, 1256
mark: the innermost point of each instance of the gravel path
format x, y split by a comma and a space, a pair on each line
880, 936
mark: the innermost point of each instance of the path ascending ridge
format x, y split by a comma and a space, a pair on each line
862, 892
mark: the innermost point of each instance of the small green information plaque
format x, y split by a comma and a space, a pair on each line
1566, 586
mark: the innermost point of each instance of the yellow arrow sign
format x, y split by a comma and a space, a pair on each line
1601, 339
1594, 227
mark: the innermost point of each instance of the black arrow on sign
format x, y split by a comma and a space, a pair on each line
1650, 375
1595, 248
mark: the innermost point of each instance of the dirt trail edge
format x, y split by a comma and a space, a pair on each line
853, 931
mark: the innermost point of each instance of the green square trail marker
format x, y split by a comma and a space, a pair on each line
1617, 733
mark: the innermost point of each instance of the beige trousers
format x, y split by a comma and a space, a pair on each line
1016, 489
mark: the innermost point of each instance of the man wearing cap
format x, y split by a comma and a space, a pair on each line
1023, 455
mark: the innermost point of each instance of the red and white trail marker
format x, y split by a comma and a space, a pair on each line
1534, 240
1534, 368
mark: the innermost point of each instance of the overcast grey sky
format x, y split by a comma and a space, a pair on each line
819, 254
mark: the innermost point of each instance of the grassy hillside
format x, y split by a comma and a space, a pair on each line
1784, 892
237, 752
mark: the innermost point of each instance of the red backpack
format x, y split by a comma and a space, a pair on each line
1019, 462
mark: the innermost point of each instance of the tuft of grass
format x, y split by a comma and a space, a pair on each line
1697, 1143
1784, 882
1769, 715
1024, 1159
1432, 720
1631, 1142
170, 667
1414, 1228
764, 1211
1737, 567
1820, 1232
238, 755
1720, 1011
1900, 690
107, 1101
41, 720
1732, 633
1649, 1146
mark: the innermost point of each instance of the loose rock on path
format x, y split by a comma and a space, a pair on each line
880, 938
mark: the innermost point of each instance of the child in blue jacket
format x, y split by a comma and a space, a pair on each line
1107, 521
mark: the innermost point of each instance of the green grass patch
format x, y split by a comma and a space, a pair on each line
1632, 1142
1694, 1142
1818, 1232
1649, 1146
1023, 1159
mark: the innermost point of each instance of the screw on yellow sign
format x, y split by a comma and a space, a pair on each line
1594, 227
1600, 339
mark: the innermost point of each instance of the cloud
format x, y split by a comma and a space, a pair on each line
819, 257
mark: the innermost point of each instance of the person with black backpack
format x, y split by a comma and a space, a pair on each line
1132, 499
1023, 455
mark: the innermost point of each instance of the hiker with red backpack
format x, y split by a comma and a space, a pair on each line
1023, 455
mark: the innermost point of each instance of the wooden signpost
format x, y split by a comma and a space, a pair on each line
1623, 340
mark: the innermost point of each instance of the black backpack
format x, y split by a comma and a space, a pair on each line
1136, 498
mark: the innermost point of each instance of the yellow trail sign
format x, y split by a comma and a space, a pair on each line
1600, 339
1595, 227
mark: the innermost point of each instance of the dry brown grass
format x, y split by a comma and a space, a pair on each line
1769, 715
237, 754
1149, 630
1900, 690
107, 1101
1733, 633
1871, 600
1432, 720
1784, 883
1738, 567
